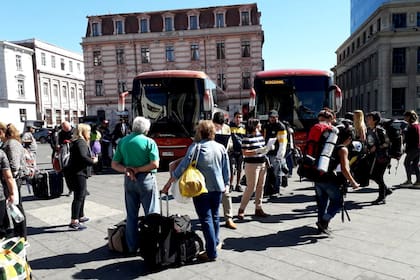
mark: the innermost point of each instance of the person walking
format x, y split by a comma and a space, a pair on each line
412, 148
77, 173
223, 131
213, 163
329, 186
276, 129
238, 132
29, 141
377, 143
137, 156
254, 151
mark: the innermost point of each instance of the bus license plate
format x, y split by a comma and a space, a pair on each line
168, 154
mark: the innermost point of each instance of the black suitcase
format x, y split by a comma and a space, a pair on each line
168, 240
47, 184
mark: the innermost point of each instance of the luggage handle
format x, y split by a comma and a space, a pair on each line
167, 204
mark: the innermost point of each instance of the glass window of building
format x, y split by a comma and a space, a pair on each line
144, 25
220, 49
220, 20
145, 55
97, 58
119, 27
63, 64
53, 61
170, 54
71, 66
45, 90
78, 68
168, 24
43, 59
221, 81
99, 88
399, 20
96, 29
398, 61
120, 56
122, 86
398, 101
55, 91
72, 93
378, 25
195, 52
18, 62
246, 48
245, 18
21, 87
193, 22
246, 80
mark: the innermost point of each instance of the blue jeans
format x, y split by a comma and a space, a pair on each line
329, 200
143, 191
207, 208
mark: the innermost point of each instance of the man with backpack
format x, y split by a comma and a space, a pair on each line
276, 129
65, 135
377, 142
412, 148
238, 132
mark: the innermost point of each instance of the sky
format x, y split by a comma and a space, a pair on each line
297, 33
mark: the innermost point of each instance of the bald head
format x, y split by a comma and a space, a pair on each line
66, 126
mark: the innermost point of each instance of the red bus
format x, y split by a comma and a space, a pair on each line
175, 101
298, 96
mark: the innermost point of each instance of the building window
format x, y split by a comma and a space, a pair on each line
18, 63
145, 55
48, 117
64, 94
72, 93
99, 88
220, 48
79, 70
378, 25
168, 24
399, 20
220, 20
120, 56
55, 91
398, 101
96, 30
97, 58
195, 52
144, 25
21, 88
246, 48
71, 66
122, 86
398, 60
246, 80
170, 56
418, 19
57, 116
45, 90
63, 64
53, 61
221, 81
80, 94
193, 22
23, 115
418, 60
245, 18
43, 59
119, 27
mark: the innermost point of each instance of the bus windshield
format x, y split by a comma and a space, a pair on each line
172, 104
298, 99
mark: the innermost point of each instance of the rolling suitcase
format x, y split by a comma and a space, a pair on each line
168, 240
47, 184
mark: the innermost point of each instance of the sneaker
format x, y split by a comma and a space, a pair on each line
323, 227
77, 226
378, 201
406, 184
83, 219
239, 188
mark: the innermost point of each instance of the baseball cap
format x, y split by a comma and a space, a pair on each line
273, 113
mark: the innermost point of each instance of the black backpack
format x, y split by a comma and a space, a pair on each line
394, 129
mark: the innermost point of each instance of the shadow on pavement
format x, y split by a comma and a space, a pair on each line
48, 229
291, 237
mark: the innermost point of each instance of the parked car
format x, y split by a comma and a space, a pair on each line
43, 135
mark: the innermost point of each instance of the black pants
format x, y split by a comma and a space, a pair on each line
4, 219
377, 175
79, 185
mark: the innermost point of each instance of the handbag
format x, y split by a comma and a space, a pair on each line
192, 182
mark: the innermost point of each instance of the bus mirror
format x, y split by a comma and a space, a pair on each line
338, 97
121, 101
207, 101
252, 97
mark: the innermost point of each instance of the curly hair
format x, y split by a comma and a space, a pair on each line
205, 130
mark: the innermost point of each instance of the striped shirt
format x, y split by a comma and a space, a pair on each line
252, 142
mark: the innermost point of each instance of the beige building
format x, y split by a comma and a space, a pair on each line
378, 66
225, 42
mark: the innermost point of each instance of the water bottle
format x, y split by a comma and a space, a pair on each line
324, 158
15, 213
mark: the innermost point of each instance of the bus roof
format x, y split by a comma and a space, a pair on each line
173, 74
292, 72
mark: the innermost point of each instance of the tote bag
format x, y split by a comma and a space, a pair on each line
192, 182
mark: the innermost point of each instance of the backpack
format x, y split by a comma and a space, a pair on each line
27, 165
64, 155
308, 163
394, 129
